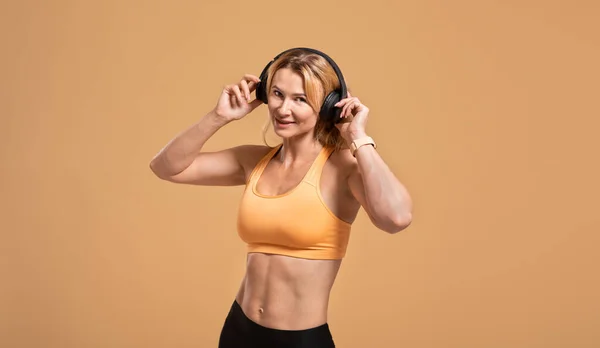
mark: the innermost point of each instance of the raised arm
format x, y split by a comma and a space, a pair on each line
182, 161
384, 198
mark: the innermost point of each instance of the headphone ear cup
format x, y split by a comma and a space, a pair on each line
261, 93
261, 87
329, 111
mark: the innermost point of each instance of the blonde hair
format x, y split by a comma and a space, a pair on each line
319, 80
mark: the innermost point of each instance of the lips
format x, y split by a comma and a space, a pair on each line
283, 121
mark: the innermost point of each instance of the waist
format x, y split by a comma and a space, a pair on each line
287, 293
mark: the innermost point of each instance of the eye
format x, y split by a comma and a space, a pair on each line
301, 99
276, 93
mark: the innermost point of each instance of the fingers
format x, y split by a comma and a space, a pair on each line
245, 89
348, 108
249, 84
233, 101
246, 86
238, 94
348, 105
346, 101
249, 78
251, 81
252, 86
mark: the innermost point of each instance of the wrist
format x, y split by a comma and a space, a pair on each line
216, 120
354, 135
361, 141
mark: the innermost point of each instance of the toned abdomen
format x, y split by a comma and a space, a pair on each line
287, 293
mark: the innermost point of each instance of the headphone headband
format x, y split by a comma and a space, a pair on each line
336, 68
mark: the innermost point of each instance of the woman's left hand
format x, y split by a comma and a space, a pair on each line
358, 113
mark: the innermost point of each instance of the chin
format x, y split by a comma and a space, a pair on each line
284, 133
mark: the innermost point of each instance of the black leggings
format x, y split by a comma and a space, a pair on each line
239, 331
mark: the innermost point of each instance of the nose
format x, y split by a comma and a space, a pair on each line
284, 108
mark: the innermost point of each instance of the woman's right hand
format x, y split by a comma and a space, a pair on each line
234, 102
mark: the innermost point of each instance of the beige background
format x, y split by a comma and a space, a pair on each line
486, 110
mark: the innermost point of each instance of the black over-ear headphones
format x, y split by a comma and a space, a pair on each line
328, 111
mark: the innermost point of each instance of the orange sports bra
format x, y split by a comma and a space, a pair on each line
296, 223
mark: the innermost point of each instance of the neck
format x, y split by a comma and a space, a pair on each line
299, 150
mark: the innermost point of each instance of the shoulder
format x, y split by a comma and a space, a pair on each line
343, 162
249, 155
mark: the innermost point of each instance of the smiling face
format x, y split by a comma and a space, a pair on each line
297, 84
290, 112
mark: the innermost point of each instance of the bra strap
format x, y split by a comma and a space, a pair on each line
314, 174
262, 164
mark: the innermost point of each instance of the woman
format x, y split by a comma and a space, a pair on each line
301, 196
